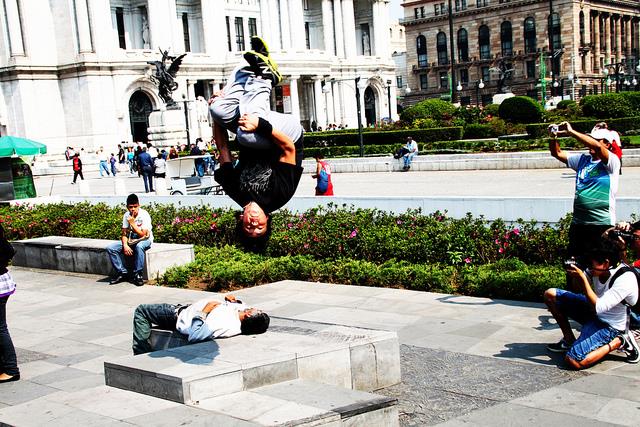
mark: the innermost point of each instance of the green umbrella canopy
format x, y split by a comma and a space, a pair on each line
10, 145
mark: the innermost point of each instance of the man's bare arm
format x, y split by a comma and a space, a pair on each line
556, 151
249, 123
589, 142
222, 141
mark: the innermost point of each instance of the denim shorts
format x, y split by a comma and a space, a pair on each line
594, 333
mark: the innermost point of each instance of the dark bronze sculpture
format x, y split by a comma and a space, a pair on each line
504, 74
165, 78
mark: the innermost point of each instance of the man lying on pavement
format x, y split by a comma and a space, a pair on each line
200, 321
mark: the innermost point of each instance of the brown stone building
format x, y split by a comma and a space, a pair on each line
577, 47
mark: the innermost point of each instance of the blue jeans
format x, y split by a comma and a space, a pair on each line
147, 177
103, 166
408, 158
162, 315
594, 333
116, 255
8, 361
200, 168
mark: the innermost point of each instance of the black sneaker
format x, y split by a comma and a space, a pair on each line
259, 46
630, 346
137, 279
263, 66
119, 277
559, 347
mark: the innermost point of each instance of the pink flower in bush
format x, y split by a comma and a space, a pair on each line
353, 234
501, 250
516, 231
497, 242
306, 246
399, 222
467, 260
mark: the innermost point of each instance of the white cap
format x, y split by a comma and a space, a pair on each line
602, 134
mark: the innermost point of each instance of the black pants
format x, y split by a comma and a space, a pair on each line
8, 363
75, 176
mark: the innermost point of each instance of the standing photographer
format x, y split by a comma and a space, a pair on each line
597, 175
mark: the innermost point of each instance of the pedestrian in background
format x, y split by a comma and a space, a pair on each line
8, 362
412, 150
113, 162
146, 169
324, 186
160, 165
130, 160
103, 166
77, 168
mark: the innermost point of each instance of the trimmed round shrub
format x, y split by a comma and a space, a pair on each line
436, 109
565, 103
491, 109
607, 106
520, 109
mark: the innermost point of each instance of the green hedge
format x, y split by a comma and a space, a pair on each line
228, 268
621, 125
350, 137
333, 244
609, 105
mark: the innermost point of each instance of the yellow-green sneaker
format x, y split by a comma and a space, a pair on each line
258, 45
263, 66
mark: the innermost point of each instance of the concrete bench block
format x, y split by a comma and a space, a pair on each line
303, 402
291, 349
90, 256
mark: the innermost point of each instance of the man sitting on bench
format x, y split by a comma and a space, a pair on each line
200, 321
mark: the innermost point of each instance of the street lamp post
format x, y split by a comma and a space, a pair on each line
479, 85
389, 97
185, 102
359, 108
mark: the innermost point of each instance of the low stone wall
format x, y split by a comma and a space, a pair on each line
89, 255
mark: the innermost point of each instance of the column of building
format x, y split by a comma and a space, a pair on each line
607, 39
296, 19
295, 97
381, 28
349, 28
162, 23
274, 35
265, 22
14, 30
214, 28
627, 36
318, 96
338, 29
327, 27
596, 43
285, 29
618, 24
83, 29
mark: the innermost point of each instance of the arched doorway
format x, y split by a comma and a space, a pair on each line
369, 106
139, 109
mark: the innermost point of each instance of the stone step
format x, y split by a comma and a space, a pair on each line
354, 358
304, 402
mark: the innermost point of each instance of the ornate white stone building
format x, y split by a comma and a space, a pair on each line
75, 72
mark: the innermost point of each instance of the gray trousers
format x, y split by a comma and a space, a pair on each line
244, 93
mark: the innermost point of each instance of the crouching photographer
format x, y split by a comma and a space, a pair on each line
629, 234
606, 285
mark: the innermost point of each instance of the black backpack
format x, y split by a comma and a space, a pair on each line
636, 307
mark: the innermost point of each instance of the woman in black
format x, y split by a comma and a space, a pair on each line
8, 363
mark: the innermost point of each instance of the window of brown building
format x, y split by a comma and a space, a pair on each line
444, 80
506, 39
424, 82
484, 42
421, 50
554, 30
581, 24
463, 45
441, 45
530, 35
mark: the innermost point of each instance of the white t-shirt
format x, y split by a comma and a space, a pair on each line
159, 164
102, 156
609, 307
221, 322
143, 221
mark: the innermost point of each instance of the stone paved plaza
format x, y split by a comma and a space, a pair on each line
465, 361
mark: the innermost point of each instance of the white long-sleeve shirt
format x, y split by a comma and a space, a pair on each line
221, 322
